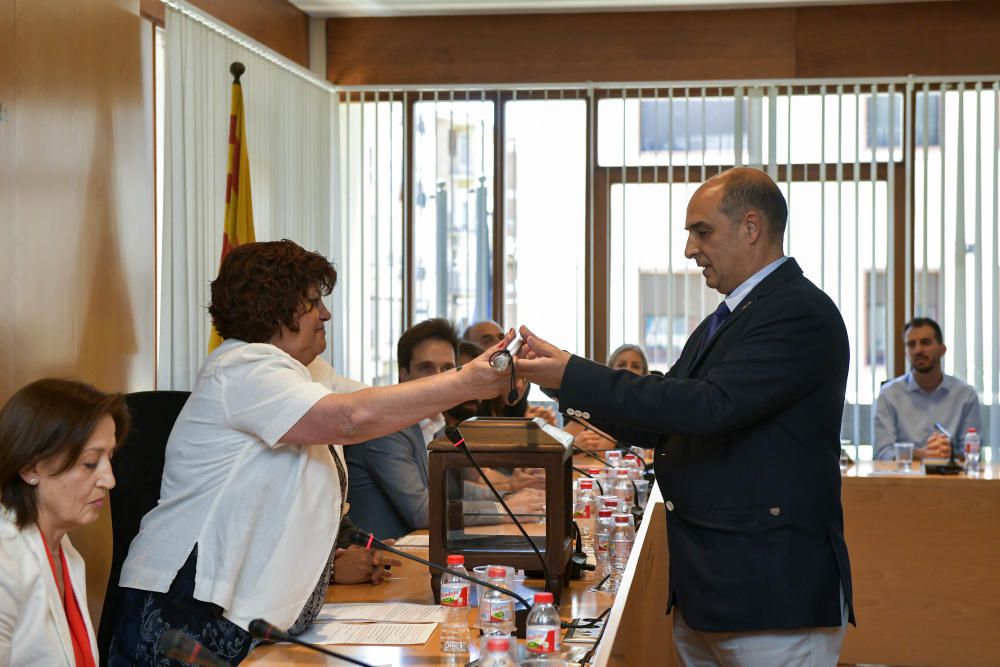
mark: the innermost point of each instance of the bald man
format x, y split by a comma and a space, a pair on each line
749, 439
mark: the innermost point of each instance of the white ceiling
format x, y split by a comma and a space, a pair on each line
431, 7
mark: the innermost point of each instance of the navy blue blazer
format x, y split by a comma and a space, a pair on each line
747, 458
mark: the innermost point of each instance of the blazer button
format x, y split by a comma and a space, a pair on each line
669, 505
775, 511
586, 415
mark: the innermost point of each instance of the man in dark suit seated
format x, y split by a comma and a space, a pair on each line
749, 423
389, 477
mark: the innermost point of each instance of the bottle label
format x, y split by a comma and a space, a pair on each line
621, 548
602, 543
496, 611
542, 639
454, 595
582, 513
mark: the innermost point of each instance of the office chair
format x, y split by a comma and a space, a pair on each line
138, 469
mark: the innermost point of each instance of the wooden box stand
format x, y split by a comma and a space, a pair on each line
502, 443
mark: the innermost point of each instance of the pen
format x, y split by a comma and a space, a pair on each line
942, 430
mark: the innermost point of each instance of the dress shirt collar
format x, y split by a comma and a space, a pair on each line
740, 292
911, 384
429, 426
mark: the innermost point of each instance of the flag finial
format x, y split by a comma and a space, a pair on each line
237, 69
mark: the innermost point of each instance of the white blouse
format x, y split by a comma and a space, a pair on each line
263, 514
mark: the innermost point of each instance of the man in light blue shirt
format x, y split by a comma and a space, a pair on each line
909, 405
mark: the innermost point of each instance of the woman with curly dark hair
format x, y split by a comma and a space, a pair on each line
249, 504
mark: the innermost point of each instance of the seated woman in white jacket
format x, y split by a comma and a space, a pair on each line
56, 442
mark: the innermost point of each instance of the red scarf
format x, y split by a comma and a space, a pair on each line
77, 626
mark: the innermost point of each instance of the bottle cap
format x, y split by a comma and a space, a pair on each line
622, 472
544, 598
611, 502
456, 559
498, 644
586, 483
604, 513
971, 430
622, 518
594, 471
496, 572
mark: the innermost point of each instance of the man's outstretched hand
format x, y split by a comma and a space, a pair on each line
541, 362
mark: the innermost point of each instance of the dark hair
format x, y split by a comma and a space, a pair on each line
45, 419
469, 349
628, 347
437, 327
925, 322
747, 189
264, 285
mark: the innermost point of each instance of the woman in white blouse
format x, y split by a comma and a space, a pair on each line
56, 442
249, 504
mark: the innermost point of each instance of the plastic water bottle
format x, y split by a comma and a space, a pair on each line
622, 488
620, 549
971, 445
634, 466
543, 627
496, 609
602, 541
585, 512
455, 601
498, 653
613, 457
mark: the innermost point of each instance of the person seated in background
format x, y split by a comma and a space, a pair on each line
57, 438
251, 497
389, 475
909, 406
627, 357
484, 334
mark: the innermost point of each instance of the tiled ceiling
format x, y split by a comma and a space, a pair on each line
430, 7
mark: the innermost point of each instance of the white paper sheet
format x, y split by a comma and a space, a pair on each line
371, 634
414, 541
388, 612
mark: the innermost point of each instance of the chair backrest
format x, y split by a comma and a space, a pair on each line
138, 469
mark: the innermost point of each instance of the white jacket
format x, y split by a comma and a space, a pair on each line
33, 626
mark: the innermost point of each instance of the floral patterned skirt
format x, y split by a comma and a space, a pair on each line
145, 616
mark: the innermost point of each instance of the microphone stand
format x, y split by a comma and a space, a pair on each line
520, 615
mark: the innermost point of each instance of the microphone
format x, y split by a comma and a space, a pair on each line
456, 438
368, 541
261, 629
176, 645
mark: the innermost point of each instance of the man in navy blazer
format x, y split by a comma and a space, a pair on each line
749, 439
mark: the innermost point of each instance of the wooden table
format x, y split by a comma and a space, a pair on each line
411, 582
925, 556
925, 559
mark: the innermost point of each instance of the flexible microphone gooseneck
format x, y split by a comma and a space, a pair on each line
176, 645
261, 629
456, 438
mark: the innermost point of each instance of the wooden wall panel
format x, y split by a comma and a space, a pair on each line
561, 47
8, 183
869, 40
78, 290
936, 38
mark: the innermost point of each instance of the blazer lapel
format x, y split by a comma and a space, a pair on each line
788, 270
37, 547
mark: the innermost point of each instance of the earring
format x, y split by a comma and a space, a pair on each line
33, 481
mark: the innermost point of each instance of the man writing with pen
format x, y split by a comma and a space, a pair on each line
926, 407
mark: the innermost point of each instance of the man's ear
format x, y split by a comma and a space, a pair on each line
753, 224
404, 374
944, 348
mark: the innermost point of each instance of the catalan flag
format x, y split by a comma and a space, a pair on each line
238, 227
